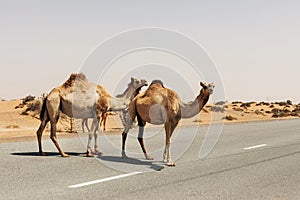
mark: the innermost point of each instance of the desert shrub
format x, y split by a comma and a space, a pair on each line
197, 121
229, 118
12, 126
217, 109
245, 105
236, 102
33, 106
28, 98
282, 103
259, 112
296, 112
238, 109
289, 102
262, 104
280, 113
220, 103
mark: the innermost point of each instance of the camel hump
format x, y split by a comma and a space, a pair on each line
73, 77
157, 82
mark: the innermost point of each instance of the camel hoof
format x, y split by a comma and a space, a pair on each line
171, 164
89, 154
124, 155
43, 154
65, 155
148, 157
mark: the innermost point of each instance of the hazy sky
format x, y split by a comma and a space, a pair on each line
254, 44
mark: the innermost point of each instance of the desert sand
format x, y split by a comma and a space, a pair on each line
15, 126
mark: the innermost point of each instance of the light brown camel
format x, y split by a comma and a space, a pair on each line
104, 118
159, 105
131, 91
78, 98
102, 121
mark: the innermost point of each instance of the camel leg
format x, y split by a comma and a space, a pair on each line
141, 141
39, 134
96, 140
169, 128
89, 152
103, 120
54, 138
124, 135
91, 134
87, 125
82, 125
104, 123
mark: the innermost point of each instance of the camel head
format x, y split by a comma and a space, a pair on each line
137, 83
207, 87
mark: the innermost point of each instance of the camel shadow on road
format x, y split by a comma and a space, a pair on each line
154, 165
157, 166
48, 154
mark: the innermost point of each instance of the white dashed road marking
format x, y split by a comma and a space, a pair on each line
254, 147
103, 180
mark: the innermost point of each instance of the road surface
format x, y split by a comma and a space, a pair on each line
250, 161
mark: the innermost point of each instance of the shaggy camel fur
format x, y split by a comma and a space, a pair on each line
159, 105
131, 91
78, 98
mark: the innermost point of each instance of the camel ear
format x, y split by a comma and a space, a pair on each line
132, 79
203, 85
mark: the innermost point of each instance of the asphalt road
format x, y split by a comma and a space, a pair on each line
250, 161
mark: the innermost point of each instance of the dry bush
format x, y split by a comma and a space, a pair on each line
246, 105
238, 109
258, 112
280, 112
34, 106
262, 104
236, 102
28, 99
220, 103
217, 109
12, 126
197, 121
229, 118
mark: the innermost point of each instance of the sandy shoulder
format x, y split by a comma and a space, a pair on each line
15, 127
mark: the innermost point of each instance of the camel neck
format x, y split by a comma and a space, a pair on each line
191, 109
127, 93
118, 104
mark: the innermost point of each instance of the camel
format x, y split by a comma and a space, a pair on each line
104, 118
130, 92
102, 121
78, 98
159, 105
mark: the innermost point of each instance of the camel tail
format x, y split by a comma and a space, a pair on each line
43, 110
